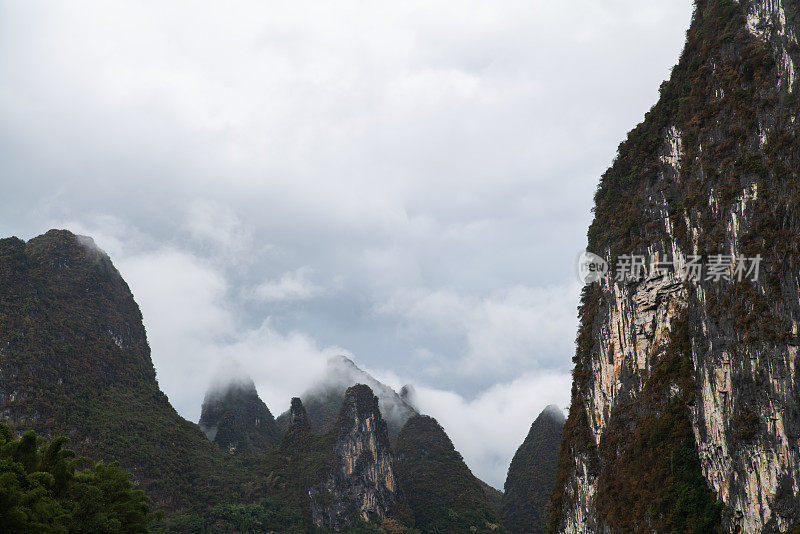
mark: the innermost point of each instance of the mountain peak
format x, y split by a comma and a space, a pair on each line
409, 395
299, 416
75, 361
437, 483
63, 249
359, 403
362, 483
552, 411
237, 420
324, 400
532, 474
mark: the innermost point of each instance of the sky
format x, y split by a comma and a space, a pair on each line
405, 183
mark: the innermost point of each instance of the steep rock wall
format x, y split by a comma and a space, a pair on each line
361, 485
712, 170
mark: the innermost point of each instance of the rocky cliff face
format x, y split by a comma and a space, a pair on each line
686, 388
237, 420
532, 475
361, 484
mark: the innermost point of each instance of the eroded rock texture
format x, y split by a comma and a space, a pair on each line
361, 484
686, 391
323, 400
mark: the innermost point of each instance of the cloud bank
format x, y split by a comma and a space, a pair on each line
406, 183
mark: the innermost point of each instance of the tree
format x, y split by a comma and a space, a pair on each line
45, 488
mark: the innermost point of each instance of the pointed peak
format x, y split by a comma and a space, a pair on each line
299, 416
324, 399
362, 396
423, 432
360, 404
553, 412
341, 359
409, 395
239, 387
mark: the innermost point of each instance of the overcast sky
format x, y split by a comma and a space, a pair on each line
406, 183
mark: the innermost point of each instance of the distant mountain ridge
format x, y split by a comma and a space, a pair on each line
322, 400
74, 360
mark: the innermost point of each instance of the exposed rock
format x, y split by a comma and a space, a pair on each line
702, 371
362, 484
237, 420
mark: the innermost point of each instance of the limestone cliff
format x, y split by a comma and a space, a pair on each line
361, 485
684, 411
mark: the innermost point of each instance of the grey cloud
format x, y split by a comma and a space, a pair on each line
411, 154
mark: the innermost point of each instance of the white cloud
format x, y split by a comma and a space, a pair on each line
516, 328
488, 429
218, 225
433, 161
195, 334
294, 285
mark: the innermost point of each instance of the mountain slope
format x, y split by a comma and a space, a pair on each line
440, 490
685, 389
237, 420
74, 360
532, 475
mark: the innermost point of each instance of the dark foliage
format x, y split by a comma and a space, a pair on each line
531, 476
74, 360
45, 488
652, 478
237, 420
443, 494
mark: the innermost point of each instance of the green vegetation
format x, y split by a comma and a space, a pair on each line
652, 479
442, 493
531, 476
576, 438
722, 75
722, 97
45, 488
240, 421
75, 362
